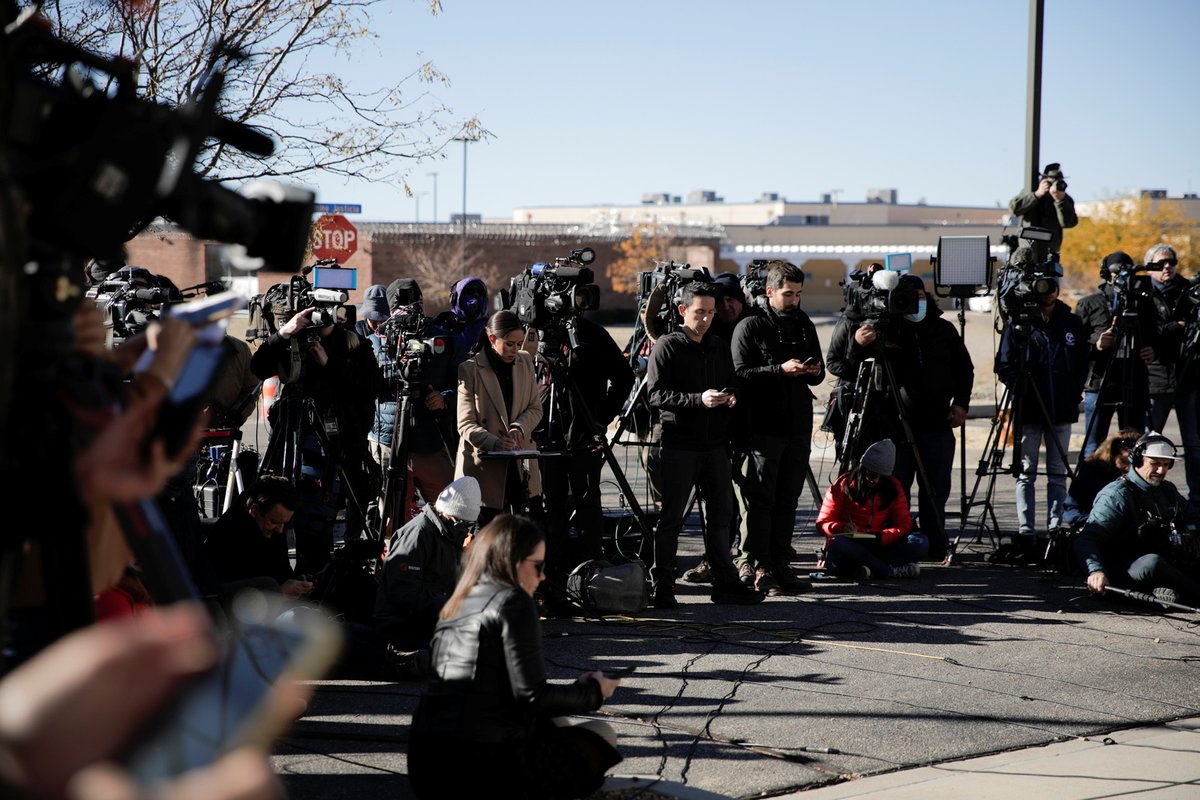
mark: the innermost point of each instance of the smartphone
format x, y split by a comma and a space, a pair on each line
228, 706
212, 308
808, 362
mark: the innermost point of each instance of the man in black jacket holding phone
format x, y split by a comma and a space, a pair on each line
777, 358
690, 382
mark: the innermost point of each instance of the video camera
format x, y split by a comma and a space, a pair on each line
328, 292
410, 339
1025, 282
545, 293
131, 298
95, 163
754, 282
876, 296
658, 293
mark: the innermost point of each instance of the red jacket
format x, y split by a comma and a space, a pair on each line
892, 521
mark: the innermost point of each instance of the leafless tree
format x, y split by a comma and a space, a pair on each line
283, 84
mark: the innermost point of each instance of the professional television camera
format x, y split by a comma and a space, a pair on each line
544, 293
410, 340
328, 292
754, 282
1025, 282
658, 290
131, 298
877, 297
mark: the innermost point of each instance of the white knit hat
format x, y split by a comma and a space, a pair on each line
461, 499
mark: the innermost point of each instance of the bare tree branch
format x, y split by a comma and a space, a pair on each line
322, 124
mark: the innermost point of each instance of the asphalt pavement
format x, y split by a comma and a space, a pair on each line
971, 680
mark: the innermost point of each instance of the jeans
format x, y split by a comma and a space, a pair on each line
1132, 417
770, 478
936, 449
1056, 471
711, 473
844, 555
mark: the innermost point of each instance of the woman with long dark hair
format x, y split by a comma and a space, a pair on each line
866, 521
486, 726
1107, 462
498, 408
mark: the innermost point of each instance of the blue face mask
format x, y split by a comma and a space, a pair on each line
472, 306
920, 315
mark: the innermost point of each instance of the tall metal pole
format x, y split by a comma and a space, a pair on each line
462, 248
434, 175
1033, 93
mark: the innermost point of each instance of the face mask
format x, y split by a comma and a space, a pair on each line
460, 528
472, 306
920, 315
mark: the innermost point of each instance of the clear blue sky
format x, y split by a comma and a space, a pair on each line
598, 102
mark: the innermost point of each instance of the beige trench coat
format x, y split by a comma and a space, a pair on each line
483, 419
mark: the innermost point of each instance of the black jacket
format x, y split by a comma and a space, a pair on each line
931, 364
1096, 312
419, 573
772, 403
601, 373
345, 387
1161, 375
679, 373
490, 681
1055, 361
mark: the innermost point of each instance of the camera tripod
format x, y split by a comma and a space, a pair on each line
298, 419
1130, 407
1009, 419
560, 367
876, 376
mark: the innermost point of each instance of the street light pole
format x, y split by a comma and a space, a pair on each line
462, 248
434, 175
417, 196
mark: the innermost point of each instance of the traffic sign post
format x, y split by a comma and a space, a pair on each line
333, 236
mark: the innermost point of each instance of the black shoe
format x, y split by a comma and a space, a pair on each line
736, 593
664, 598
407, 665
789, 582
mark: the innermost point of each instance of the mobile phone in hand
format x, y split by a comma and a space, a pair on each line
229, 705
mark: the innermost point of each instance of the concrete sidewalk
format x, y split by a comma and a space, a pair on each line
1156, 761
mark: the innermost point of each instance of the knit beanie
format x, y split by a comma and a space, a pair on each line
374, 306
460, 499
880, 457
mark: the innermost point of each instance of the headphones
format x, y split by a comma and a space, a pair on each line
1137, 456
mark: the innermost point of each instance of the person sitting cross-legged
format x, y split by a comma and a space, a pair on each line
866, 522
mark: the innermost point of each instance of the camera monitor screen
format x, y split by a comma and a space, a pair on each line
899, 262
335, 278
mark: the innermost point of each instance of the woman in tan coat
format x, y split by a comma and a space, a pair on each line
498, 408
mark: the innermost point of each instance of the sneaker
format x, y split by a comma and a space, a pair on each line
746, 574
1165, 595
765, 582
904, 571
664, 598
735, 594
701, 573
861, 573
789, 582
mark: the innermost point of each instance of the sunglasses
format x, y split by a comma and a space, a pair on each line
1166, 262
540, 566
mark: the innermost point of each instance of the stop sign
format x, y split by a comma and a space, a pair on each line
334, 237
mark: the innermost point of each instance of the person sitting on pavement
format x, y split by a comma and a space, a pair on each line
247, 545
866, 522
1140, 533
421, 565
1108, 463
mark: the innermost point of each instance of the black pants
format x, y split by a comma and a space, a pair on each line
771, 478
711, 473
573, 484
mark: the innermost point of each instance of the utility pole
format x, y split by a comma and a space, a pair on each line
434, 176
1033, 93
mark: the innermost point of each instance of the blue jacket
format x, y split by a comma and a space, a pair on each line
1056, 362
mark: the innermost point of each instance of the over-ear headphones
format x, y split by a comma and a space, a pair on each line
1137, 456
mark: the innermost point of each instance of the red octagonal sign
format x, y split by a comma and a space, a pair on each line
333, 236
